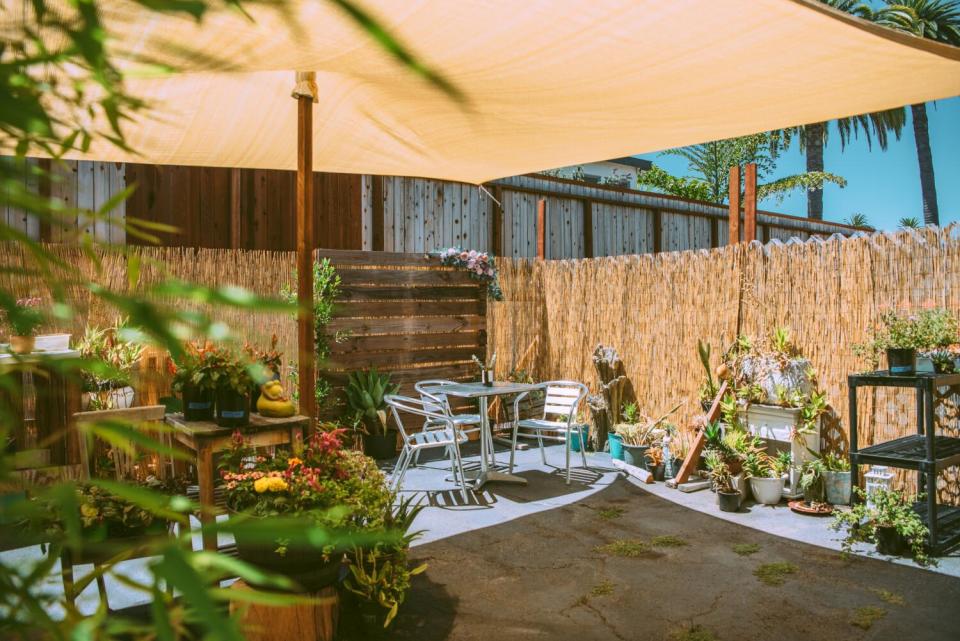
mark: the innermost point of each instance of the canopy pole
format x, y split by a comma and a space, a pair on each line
305, 93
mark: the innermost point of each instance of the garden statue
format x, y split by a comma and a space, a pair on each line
272, 402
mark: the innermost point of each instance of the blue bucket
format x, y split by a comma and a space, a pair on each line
616, 446
575, 439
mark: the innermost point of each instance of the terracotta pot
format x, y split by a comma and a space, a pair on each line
22, 344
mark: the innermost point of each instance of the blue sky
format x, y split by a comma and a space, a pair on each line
883, 185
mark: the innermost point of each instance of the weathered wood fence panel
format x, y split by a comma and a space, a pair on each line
407, 315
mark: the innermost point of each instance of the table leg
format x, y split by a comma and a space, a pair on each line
486, 474
205, 476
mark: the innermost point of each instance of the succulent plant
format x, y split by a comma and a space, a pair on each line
365, 392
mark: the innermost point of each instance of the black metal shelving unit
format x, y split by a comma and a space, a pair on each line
926, 451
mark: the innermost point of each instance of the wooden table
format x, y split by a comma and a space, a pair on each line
205, 438
482, 393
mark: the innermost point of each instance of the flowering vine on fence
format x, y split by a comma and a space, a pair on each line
478, 264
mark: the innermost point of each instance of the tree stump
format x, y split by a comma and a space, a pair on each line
614, 387
302, 622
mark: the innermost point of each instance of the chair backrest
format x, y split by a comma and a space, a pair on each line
125, 461
418, 407
563, 398
434, 397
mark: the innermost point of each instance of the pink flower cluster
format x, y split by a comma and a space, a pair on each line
477, 262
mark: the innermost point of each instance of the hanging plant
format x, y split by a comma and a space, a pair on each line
478, 264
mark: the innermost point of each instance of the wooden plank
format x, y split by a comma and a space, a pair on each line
378, 212
496, 221
355, 309
235, 199
409, 293
406, 342
541, 228
354, 258
734, 213
392, 360
750, 203
693, 454
714, 233
424, 277
406, 324
459, 372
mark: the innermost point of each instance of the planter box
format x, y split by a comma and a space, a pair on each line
776, 425
114, 399
52, 343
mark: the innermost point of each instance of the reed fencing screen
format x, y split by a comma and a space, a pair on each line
654, 308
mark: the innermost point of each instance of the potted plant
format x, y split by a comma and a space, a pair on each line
23, 318
269, 364
635, 442
319, 484
365, 392
887, 520
709, 388
195, 380
654, 462
942, 360
728, 498
836, 478
231, 375
811, 481
900, 335
766, 478
112, 357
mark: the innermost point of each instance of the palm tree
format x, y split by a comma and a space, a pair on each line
812, 137
936, 20
858, 220
911, 222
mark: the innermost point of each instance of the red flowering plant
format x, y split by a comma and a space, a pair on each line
337, 488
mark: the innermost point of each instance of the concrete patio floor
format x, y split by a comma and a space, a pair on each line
447, 516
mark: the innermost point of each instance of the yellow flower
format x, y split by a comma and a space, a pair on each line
291, 462
269, 484
88, 510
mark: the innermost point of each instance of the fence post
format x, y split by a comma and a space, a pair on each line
587, 227
377, 222
750, 203
496, 231
542, 228
734, 205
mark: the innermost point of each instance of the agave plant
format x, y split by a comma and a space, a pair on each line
365, 392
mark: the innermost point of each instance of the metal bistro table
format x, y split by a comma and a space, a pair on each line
205, 438
482, 393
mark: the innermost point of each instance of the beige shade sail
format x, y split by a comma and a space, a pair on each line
548, 83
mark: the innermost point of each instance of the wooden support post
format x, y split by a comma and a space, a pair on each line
734, 205
541, 228
305, 92
377, 213
496, 221
750, 203
236, 239
587, 227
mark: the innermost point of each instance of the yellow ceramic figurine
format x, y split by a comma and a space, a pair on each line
272, 402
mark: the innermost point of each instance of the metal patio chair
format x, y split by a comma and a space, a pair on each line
561, 402
468, 423
444, 433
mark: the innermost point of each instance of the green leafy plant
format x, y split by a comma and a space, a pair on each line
782, 462
382, 578
709, 388
836, 463
923, 330
944, 360
630, 413
887, 509
111, 354
719, 473
23, 316
811, 478
365, 392
910, 222
326, 289
758, 465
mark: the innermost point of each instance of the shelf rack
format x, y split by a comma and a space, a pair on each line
926, 451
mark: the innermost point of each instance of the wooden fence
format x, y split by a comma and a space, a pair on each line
254, 209
654, 308
407, 315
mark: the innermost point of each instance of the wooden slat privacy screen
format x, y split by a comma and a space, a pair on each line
407, 315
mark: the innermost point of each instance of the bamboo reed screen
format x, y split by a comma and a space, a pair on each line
653, 308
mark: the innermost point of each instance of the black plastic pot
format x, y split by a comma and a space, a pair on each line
361, 618
197, 403
728, 501
901, 361
656, 470
891, 542
233, 408
380, 446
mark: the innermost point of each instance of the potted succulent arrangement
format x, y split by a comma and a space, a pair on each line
365, 392
637, 433
195, 380
307, 483
813, 486
112, 358
836, 478
887, 520
23, 319
766, 476
728, 497
269, 362
654, 462
902, 335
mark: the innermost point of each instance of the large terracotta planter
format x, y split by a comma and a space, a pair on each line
22, 344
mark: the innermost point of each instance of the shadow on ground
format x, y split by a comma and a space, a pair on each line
543, 577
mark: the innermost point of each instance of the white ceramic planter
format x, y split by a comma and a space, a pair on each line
742, 485
115, 399
768, 491
776, 425
52, 343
